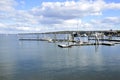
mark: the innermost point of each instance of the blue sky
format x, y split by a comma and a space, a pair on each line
24, 16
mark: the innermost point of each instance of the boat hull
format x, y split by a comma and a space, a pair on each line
64, 46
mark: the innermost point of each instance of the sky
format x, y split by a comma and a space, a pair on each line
37, 16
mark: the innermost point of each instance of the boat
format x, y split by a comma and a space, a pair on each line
50, 40
64, 45
84, 35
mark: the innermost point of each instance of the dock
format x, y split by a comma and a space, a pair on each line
92, 37
108, 43
102, 43
108, 40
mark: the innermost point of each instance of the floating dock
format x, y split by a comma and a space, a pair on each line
101, 43
110, 40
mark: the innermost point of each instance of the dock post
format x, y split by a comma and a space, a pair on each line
55, 37
96, 39
37, 36
88, 38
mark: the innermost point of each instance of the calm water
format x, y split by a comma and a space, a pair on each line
35, 60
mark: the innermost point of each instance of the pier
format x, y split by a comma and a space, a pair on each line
76, 38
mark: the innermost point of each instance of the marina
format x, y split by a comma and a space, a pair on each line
59, 39
76, 38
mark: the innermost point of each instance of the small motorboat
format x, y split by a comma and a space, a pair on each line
64, 45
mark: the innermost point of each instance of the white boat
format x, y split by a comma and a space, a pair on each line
64, 45
50, 40
84, 35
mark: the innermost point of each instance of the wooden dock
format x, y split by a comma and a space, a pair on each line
107, 43
32, 39
54, 40
89, 44
107, 40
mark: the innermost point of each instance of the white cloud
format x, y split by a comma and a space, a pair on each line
7, 10
7, 5
59, 11
2, 25
113, 6
112, 20
26, 28
72, 21
56, 15
25, 16
107, 20
106, 23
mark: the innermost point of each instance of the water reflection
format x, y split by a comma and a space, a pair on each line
73, 57
7, 65
35, 60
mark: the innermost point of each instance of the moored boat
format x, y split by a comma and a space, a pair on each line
64, 45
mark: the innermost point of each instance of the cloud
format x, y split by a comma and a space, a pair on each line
111, 20
113, 6
7, 10
1, 25
68, 10
106, 23
60, 11
50, 16
107, 20
7, 5
25, 16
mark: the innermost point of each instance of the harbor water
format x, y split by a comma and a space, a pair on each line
40, 60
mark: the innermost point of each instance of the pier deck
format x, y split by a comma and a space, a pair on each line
101, 43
